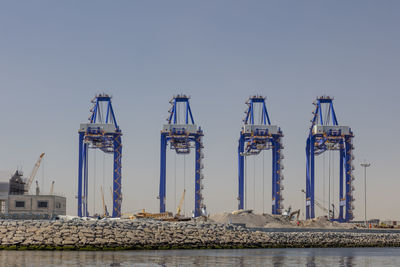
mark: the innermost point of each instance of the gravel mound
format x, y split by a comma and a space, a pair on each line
276, 221
253, 220
324, 223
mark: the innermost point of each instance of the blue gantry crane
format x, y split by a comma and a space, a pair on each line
102, 132
256, 135
326, 134
181, 132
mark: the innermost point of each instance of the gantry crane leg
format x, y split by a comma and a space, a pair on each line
198, 185
80, 165
341, 170
117, 196
241, 172
163, 161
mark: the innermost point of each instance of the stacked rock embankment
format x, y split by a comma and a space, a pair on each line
149, 234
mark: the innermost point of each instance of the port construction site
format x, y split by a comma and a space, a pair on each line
243, 227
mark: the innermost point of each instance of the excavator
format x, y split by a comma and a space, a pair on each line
290, 214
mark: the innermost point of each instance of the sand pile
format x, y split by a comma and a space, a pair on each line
253, 220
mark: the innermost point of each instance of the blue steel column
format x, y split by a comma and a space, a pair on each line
197, 186
312, 171
350, 176
349, 196
278, 196
308, 179
163, 156
117, 196
241, 172
80, 175
85, 180
341, 202
274, 172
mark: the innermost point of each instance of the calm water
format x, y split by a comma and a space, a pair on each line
242, 257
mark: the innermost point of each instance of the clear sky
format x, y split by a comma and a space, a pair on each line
56, 55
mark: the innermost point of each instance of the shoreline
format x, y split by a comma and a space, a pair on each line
155, 235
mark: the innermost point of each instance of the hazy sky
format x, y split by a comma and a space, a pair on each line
55, 56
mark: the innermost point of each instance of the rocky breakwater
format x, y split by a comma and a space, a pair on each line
149, 234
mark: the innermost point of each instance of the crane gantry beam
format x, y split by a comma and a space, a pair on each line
256, 135
326, 134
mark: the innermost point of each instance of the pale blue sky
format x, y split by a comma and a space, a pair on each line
55, 56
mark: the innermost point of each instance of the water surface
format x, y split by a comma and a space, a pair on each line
240, 257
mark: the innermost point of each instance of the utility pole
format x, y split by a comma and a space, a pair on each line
365, 165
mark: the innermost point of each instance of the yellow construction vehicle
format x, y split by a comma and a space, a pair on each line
128, 215
144, 214
165, 216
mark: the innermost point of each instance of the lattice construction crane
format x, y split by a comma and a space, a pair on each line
181, 133
326, 134
102, 132
33, 174
258, 134
179, 208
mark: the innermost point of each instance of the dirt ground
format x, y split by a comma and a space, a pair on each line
276, 221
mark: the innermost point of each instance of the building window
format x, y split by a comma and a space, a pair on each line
3, 205
58, 205
20, 204
42, 204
